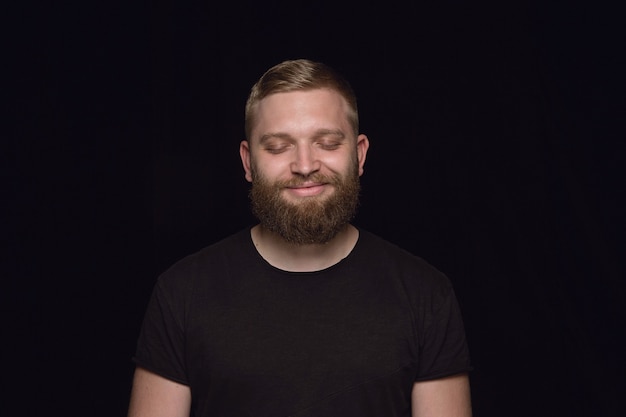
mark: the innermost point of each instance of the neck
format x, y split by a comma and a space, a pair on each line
303, 258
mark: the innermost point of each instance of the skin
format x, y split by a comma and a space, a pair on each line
155, 396
299, 134
444, 397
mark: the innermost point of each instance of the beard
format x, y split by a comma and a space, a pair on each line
312, 220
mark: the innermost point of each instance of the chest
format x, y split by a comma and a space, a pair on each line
316, 338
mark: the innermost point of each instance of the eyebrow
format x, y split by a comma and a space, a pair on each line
318, 134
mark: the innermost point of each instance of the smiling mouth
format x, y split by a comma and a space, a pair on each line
307, 189
306, 185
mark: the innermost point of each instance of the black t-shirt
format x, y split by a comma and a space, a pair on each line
350, 340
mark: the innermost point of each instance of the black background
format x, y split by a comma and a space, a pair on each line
497, 152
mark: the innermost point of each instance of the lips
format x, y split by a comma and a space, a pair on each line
306, 185
307, 189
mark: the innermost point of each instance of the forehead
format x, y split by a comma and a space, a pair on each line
299, 111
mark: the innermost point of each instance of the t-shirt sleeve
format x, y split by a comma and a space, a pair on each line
160, 345
442, 345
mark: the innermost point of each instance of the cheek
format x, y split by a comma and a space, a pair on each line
270, 170
341, 163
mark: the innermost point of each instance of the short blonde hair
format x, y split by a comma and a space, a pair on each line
300, 75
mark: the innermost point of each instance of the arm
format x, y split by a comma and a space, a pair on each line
445, 397
155, 396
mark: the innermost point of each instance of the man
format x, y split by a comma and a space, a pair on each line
303, 314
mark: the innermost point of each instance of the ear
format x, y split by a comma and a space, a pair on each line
362, 145
244, 153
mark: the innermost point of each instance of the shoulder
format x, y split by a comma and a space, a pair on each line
413, 272
214, 259
380, 249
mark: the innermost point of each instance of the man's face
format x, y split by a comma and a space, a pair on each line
304, 162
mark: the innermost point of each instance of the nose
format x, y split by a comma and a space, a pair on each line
306, 161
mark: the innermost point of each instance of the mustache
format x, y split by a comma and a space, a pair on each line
301, 179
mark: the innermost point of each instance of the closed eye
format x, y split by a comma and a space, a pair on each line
329, 139
276, 149
276, 144
329, 146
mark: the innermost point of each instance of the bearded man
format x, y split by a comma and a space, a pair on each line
302, 314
